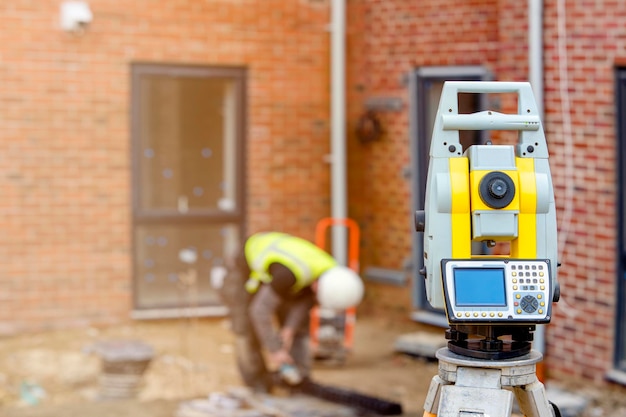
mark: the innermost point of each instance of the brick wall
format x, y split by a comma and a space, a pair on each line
387, 39
65, 140
581, 338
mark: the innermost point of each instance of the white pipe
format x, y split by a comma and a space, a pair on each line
338, 128
535, 77
535, 50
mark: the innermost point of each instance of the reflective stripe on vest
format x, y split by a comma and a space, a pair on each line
304, 259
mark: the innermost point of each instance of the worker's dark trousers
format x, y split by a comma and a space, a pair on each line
248, 350
252, 366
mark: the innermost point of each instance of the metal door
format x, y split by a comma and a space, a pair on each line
426, 84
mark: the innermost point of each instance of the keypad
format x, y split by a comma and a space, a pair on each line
527, 292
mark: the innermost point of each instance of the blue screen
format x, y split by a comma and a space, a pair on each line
475, 287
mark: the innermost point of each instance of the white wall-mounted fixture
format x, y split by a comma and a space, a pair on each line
75, 16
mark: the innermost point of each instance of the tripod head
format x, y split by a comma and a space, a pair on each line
488, 194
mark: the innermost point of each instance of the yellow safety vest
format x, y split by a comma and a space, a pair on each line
303, 258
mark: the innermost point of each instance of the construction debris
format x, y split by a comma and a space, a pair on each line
311, 400
240, 402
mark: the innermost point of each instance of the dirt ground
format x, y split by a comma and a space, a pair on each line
56, 374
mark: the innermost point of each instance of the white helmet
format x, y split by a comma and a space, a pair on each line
339, 288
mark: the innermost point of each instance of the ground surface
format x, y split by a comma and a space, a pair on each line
57, 374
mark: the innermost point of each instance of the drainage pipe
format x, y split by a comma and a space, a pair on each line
338, 128
535, 77
535, 50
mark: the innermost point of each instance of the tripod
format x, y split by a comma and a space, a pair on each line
471, 387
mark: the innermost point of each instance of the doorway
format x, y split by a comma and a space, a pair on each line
188, 128
620, 319
425, 86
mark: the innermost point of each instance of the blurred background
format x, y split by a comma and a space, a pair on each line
141, 141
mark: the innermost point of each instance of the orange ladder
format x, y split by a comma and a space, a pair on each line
349, 315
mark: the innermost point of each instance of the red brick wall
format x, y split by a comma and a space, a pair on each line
581, 338
65, 140
387, 39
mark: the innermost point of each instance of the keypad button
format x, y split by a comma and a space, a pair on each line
529, 304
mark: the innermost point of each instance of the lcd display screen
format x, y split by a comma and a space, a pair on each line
476, 287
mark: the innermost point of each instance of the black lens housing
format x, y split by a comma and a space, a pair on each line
496, 190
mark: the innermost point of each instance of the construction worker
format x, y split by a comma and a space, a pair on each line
274, 280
